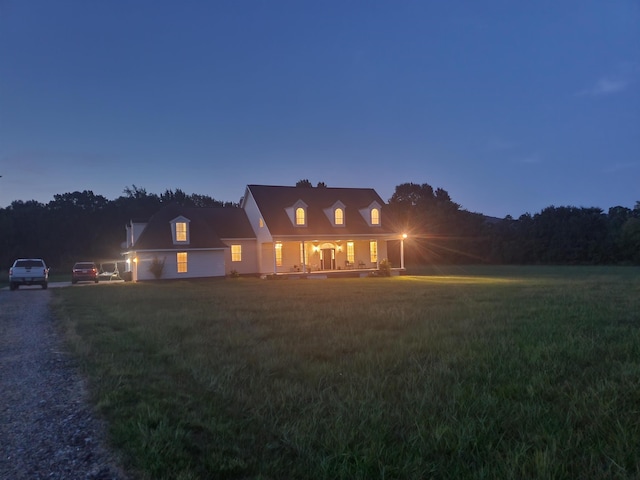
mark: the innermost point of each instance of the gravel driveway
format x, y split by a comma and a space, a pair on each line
47, 428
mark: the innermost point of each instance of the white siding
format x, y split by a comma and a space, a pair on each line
266, 258
253, 214
249, 263
200, 263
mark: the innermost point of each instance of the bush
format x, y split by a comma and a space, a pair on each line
157, 267
384, 268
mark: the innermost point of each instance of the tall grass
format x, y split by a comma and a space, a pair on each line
485, 373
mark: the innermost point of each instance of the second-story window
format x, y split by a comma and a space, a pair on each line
338, 216
300, 216
375, 216
181, 231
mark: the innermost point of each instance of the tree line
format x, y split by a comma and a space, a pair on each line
85, 226
442, 232
81, 225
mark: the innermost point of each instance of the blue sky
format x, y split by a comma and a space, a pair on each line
509, 106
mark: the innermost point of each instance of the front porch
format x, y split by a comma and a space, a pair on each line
356, 257
322, 274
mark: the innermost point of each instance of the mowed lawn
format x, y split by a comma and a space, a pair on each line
474, 372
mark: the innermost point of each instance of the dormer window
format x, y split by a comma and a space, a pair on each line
375, 216
180, 230
372, 214
297, 213
336, 214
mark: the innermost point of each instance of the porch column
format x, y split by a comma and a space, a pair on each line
404, 235
304, 258
275, 261
134, 275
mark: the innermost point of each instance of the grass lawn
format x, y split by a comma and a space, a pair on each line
485, 372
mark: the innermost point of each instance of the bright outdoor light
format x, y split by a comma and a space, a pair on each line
404, 235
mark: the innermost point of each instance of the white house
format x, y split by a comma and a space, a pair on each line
276, 230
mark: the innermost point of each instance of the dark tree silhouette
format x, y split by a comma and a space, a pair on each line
304, 183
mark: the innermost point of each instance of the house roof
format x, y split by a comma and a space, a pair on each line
273, 201
207, 226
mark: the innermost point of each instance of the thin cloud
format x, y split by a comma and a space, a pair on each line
618, 167
605, 86
530, 159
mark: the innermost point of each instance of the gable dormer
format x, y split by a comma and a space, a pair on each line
297, 213
180, 230
372, 214
335, 214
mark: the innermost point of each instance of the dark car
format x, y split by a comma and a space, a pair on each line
84, 272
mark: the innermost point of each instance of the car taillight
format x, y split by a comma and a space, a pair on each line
11, 271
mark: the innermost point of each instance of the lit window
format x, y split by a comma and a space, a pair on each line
339, 216
261, 222
300, 216
373, 250
236, 253
278, 254
181, 259
375, 216
181, 232
351, 257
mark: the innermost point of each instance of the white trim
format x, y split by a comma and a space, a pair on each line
174, 232
366, 214
291, 213
331, 214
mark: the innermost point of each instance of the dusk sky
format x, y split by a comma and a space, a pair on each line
510, 106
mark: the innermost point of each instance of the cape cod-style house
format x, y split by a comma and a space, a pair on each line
276, 230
